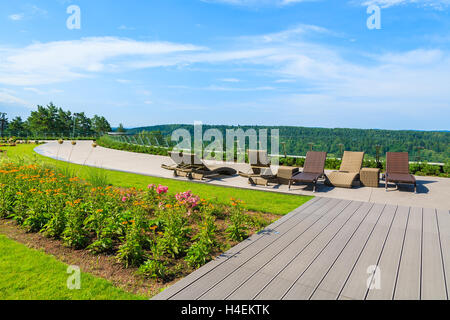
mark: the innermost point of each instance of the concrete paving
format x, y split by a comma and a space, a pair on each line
433, 192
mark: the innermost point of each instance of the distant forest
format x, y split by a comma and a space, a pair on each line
432, 146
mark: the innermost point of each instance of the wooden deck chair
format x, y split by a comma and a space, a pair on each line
191, 166
349, 170
259, 172
313, 169
397, 169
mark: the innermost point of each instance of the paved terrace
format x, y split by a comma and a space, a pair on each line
329, 248
433, 192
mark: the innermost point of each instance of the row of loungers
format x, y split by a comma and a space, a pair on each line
397, 169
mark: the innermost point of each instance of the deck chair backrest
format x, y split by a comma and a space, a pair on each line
185, 158
352, 161
177, 157
397, 162
258, 158
315, 162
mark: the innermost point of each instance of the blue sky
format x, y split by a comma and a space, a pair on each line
267, 62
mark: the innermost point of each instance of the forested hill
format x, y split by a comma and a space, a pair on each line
435, 144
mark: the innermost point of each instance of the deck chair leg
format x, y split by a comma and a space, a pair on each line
314, 187
290, 182
415, 188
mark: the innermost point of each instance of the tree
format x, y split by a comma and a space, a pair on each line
43, 121
82, 124
100, 125
17, 127
121, 128
3, 123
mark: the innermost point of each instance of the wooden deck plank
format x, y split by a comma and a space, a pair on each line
433, 279
302, 261
443, 217
390, 257
322, 250
279, 251
348, 262
356, 286
409, 273
297, 238
296, 224
307, 282
278, 226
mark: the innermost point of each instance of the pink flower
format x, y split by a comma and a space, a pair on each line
151, 186
124, 199
187, 199
162, 189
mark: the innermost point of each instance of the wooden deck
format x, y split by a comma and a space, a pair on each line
333, 249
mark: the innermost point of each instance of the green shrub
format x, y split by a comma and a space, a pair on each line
237, 230
199, 253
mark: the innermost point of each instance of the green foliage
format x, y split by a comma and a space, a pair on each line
109, 142
75, 234
199, 252
97, 177
131, 224
154, 269
131, 251
446, 168
49, 122
175, 230
237, 230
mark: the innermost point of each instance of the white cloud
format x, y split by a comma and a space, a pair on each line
9, 97
124, 27
438, 4
284, 81
254, 3
123, 81
28, 12
59, 61
221, 88
16, 16
42, 92
230, 80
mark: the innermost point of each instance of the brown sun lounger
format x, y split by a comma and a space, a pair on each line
191, 166
260, 172
313, 169
349, 170
397, 169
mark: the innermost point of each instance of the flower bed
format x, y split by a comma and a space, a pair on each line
166, 236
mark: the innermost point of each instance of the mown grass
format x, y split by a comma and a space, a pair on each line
255, 200
28, 274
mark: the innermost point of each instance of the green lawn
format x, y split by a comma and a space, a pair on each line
28, 274
261, 201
